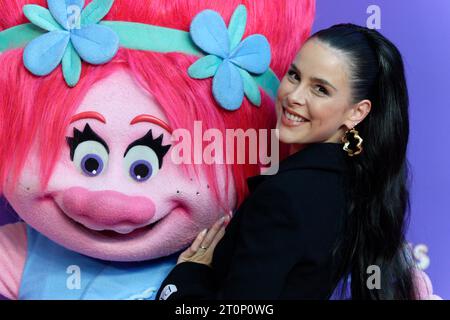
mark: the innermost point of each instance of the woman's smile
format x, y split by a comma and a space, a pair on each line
292, 119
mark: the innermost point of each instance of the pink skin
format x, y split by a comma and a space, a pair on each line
140, 220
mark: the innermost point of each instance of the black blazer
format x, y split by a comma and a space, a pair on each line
279, 243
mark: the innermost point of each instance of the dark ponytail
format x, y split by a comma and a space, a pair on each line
377, 178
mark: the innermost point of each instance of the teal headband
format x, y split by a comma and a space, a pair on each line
65, 34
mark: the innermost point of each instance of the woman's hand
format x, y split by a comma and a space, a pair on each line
202, 249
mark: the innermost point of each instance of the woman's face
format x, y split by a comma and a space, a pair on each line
314, 98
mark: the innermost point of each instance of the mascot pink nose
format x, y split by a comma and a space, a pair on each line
107, 208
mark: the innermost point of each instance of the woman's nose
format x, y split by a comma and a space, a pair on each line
296, 97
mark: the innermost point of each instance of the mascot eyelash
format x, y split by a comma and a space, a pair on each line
89, 135
81, 136
154, 144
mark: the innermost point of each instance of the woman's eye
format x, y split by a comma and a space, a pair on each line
293, 75
141, 163
322, 90
91, 158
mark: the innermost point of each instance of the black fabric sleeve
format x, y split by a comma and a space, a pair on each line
283, 225
188, 281
267, 248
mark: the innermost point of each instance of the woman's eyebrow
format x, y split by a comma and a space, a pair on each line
88, 115
151, 119
293, 66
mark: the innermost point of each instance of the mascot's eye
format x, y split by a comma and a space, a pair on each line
91, 158
141, 163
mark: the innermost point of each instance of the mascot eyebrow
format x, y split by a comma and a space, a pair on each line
154, 144
81, 136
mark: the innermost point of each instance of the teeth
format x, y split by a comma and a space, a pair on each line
293, 117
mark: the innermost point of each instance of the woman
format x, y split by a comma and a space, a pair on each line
333, 209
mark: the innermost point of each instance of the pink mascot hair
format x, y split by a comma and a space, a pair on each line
37, 110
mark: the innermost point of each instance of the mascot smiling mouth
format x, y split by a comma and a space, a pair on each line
108, 213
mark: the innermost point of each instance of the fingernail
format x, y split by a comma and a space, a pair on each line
225, 220
204, 232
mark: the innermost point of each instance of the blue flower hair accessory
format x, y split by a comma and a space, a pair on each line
65, 34
230, 61
74, 34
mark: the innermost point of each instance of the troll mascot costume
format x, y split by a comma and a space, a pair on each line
91, 93
91, 96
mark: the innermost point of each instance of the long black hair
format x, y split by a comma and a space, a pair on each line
377, 178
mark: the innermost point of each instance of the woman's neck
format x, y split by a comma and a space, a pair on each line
295, 147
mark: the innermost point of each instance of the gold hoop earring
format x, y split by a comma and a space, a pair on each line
356, 137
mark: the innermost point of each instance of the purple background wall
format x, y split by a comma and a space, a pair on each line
421, 30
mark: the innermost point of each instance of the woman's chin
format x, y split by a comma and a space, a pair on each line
287, 136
